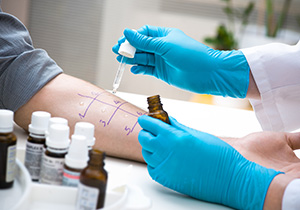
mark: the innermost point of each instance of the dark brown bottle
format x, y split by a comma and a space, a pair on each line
156, 110
92, 183
8, 142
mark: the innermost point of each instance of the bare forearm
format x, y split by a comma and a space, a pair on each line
115, 120
253, 91
275, 192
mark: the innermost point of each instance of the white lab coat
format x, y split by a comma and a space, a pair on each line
276, 71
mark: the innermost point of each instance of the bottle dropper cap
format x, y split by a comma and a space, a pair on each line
39, 122
127, 50
86, 129
77, 156
58, 136
6, 121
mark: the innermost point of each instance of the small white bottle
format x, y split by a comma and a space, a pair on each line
86, 129
75, 161
36, 142
53, 160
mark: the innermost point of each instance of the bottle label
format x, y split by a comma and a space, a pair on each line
87, 197
52, 170
33, 159
70, 178
11, 163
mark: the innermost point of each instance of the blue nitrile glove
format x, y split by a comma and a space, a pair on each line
170, 55
201, 165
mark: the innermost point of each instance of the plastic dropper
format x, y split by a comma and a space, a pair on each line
126, 50
119, 75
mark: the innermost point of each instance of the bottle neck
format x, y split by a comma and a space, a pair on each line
39, 136
56, 150
155, 107
96, 159
96, 163
154, 103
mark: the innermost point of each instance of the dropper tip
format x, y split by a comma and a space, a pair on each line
114, 91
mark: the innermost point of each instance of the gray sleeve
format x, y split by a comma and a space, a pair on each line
24, 70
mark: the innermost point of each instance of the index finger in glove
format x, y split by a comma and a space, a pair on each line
151, 159
146, 140
146, 59
153, 125
153, 31
116, 47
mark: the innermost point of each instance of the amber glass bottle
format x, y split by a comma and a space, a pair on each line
92, 183
8, 142
156, 109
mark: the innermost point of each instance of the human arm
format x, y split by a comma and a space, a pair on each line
31, 81
276, 71
274, 199
274, 150
115, 120
252, 92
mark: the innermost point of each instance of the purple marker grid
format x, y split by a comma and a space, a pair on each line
115, 104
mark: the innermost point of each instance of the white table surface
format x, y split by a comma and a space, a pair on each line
220, 121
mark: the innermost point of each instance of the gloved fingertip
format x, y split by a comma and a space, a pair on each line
141, 136
121, 39
175, 123
173, 120
143, 117
134, 69
145, 121
129, 34
115, 48
119, 58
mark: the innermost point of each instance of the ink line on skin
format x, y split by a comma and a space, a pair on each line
130, 130
117, 108
82, 116
95, 99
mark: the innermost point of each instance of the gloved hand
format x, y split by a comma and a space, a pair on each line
170, 55
201, 165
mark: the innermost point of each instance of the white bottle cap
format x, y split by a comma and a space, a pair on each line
86, 129
77, 156
58, 136
56, 120
39, 122
6, 121
127, 50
